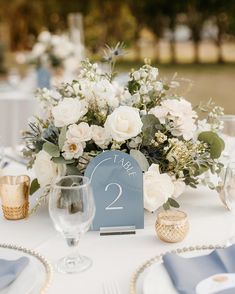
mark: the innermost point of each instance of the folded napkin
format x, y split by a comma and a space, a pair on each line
10, 270
187, 273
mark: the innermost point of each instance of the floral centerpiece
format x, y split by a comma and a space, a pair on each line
144, 118
54, 51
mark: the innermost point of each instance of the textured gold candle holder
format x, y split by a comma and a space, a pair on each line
14, 194
172, 226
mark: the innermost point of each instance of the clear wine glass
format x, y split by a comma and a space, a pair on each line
229, 196
228, 135
72, 209
229, 186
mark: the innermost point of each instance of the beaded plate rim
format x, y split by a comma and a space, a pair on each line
135, 276
38, 256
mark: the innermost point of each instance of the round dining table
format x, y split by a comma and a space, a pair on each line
115, 258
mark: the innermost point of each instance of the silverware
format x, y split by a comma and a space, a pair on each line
4, 164
111, 287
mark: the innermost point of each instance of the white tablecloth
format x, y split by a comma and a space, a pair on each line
15, 110
17, 105
116, 257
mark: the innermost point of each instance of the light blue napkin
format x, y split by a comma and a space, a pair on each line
186, 273
10, 270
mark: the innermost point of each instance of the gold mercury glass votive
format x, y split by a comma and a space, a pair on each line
172, 226
14, 194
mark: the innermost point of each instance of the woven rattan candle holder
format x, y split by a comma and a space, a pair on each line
14, 194
172, 226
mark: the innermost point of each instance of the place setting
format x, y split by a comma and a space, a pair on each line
117, 168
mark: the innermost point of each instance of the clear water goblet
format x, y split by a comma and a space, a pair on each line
228, 135
72, 209
229, 196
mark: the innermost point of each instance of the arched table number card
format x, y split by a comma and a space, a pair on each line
117, 183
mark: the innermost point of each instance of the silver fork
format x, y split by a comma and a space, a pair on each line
111, 287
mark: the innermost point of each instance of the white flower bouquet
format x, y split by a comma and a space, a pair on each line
144, 118
53, 51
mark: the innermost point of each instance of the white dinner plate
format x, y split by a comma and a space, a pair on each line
36, 276
152, 278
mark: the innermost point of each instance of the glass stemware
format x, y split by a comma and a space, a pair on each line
72, 209
229, 196
228, 135
229, 186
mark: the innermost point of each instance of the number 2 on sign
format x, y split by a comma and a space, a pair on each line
110, 206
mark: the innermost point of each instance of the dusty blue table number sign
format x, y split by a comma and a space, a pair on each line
117, 183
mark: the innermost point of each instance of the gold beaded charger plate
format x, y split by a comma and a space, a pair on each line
37, 275
152, 278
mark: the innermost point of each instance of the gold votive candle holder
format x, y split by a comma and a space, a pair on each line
14, 194
172, 226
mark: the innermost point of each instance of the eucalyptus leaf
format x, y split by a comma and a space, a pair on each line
133, 86
51, 149
34, 186
214, 141
166, 205
62, 137
140, 158
72, 170
61, 160
150, 126
173, 203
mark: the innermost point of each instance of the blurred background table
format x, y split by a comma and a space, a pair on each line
17, 105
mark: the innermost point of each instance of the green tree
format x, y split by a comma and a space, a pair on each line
222, 13
148, 14
196, 16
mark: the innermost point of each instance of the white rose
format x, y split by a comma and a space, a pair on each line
160, 113
179, 187
72, 150
178, 108
68, 111
100, 136
45, 169
79, 133
184, 126
123, 123
157, 188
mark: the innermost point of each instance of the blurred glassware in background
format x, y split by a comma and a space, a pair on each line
76, 33
13, 77
228, 135
72, 209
